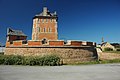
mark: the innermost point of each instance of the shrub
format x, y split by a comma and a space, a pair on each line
1, 53
2, 59
12, 60
48, 60
26, 60
108, 49
51, 60
118, 49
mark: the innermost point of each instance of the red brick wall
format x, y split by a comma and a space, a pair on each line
13, 38
17, 43
56, 43
34, 43
41, 35
76, 43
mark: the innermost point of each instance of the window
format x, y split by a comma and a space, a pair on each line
46, 20
38, 20
44, 30
50, 20
43, 20
49, 30
18, 38
38, 29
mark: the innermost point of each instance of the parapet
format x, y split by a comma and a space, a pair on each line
55, 43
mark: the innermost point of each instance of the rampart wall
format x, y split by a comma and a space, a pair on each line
71, 52
29, 43
67, 54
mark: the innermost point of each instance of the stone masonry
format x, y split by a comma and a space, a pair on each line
67, 54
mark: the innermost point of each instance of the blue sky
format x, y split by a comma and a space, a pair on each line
87, 20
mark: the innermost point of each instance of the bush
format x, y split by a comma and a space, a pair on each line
118, 49
108, 49
13, 60
48, 60
2, 59
51, 60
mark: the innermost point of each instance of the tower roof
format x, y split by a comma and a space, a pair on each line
46, 13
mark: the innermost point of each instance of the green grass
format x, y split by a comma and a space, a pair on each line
118, 52
97, 62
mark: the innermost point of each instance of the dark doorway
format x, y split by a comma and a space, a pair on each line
44, 41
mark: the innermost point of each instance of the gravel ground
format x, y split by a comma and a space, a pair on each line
82, 72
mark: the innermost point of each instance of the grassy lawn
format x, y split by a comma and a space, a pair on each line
118, 52
97, 62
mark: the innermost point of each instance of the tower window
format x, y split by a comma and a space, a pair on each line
38, 20
39, 29
50, 20
43, 20
44, 29
49, 29
46, 20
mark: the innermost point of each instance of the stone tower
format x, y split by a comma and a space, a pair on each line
45, 26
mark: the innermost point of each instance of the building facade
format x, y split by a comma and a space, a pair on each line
45, 26
107, 45
15, 35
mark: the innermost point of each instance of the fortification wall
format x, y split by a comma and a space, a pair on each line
68, 54
29, 43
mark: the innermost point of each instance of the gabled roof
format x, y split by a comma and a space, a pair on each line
105, 43
14, 32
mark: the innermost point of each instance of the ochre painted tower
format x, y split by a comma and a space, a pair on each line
45, 26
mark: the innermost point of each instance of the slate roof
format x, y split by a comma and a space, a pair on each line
14, 32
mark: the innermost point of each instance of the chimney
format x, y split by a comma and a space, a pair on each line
45, 11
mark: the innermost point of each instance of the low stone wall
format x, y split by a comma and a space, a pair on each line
68, 54
108, 56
